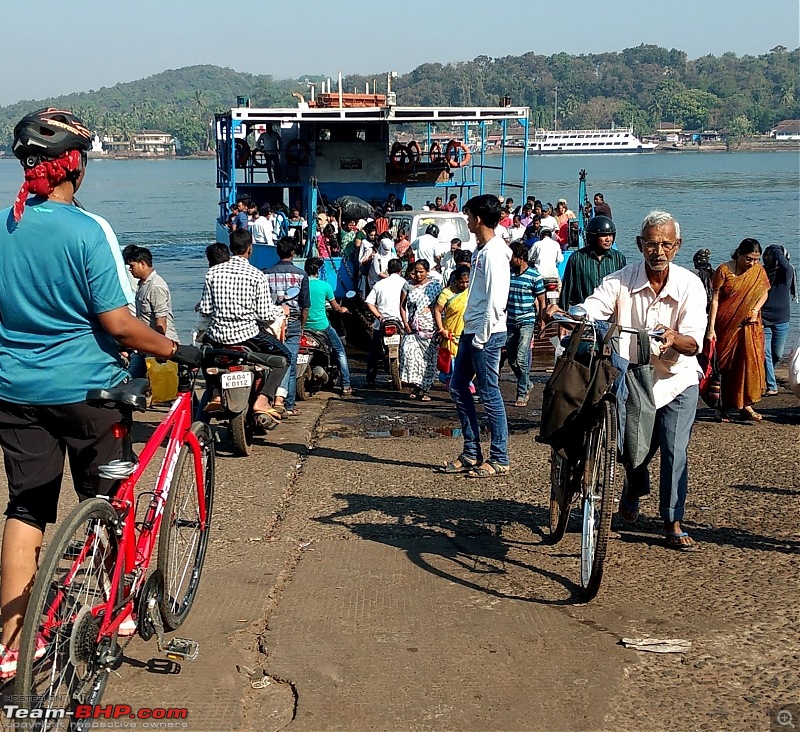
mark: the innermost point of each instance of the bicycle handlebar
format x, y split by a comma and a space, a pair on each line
567, 320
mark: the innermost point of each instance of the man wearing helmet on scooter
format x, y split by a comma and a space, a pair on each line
586, 268
64, 296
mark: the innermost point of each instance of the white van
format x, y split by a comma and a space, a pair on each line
451, 225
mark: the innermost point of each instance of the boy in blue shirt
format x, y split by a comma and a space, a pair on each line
525, 299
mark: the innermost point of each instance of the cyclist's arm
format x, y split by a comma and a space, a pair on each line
134, 334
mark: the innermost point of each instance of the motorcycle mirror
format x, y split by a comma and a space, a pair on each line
291, 293
350, 294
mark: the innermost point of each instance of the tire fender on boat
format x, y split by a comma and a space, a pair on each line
400, 157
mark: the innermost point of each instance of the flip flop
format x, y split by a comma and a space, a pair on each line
750, 415
675, 541
424, 397
270, 412
722, 416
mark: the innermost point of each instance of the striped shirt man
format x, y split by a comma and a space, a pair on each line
524, 289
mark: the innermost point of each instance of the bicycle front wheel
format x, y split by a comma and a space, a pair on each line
62, 660
182, 542
598, 497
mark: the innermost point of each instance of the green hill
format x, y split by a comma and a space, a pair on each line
643, 85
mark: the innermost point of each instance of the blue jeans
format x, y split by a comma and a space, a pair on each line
774, 342
484, 364
341, 355
518, 352
288, 387
672, 432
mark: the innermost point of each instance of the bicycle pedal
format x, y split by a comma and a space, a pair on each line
181, 649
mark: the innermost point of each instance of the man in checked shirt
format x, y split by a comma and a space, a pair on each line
236, 297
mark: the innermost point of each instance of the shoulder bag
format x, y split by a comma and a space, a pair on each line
640, 406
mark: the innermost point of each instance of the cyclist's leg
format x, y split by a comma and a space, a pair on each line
34, 461
86, 430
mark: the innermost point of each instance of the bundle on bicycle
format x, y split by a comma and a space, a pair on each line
95, 582
585, 423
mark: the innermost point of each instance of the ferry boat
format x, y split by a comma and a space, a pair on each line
588, 142
347, 144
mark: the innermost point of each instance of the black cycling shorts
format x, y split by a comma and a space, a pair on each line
35, 439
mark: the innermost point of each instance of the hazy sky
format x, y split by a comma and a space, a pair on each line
61, 47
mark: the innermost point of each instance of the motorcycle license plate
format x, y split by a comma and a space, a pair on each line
392, 340
236, 379
303, 357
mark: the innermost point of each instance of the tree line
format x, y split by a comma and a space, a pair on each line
641, 86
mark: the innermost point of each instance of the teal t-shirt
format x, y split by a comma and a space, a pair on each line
60, 267
321, 292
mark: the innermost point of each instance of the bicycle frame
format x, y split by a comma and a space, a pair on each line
136, 550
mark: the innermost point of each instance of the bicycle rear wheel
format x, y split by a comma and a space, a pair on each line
64, 614
598, 497
560, 496
182, 543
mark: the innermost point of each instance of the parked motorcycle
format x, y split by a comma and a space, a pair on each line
317, 366
241, 373
391, 334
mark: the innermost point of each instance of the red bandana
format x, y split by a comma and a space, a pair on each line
44, 177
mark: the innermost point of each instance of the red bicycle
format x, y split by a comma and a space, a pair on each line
94, 575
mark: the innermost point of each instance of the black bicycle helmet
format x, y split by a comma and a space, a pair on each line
47, 134
600, 226
433, 230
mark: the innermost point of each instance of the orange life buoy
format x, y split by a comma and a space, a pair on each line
435, 153
298, 152
242, 153
400, 157
457, 154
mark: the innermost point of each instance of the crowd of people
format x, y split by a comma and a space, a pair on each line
65, 328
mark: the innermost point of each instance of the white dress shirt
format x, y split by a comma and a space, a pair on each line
626, 297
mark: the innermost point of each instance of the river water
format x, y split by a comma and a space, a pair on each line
718, 198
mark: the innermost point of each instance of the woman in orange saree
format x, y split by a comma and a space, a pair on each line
740, 290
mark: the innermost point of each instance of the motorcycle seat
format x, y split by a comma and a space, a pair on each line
130, 395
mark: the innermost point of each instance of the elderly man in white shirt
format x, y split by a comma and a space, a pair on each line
652, 294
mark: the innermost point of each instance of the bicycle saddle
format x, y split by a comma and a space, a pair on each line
131, 395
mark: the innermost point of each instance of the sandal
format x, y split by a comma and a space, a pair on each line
748, 413
424, 396
522, 402
681, 542
270, 412
214, 404
461, 464
771, 392
295, 412
489, 469
722, 416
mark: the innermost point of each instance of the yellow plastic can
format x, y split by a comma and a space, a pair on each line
163, 379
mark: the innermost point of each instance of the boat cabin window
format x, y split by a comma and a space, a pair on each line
350, 133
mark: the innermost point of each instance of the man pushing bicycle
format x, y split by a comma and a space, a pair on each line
656, 294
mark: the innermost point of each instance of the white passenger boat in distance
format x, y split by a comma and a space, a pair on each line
588, 142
